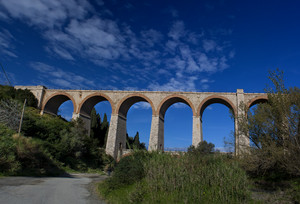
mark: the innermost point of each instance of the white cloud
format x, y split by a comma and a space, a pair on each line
171, 45
209, 45
41, 67
177, 30
223, 63
6, 46
179, 105
190, 58
96, 32
231, 54
204, 81
194, 37
175, 84
176, 63
62, 53
151, 37
61, 79
94, 38
3, 16
206, 64
44, 13
62, 83
204, 86
141, 105
74, 30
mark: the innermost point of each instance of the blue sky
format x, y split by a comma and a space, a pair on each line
216, 46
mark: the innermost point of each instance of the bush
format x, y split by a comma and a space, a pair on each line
202, 148
9, 92
10, 112
45, 127
8, 160
129, 170
34, 159
24, 156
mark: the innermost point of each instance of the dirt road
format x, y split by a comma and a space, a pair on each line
76, 188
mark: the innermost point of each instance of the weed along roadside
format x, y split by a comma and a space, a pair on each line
194, 177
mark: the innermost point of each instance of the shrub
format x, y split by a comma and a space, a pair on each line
34, 159
202, 148
24, 156
8, 160
129, 170
10, 112
46, 127
9, 92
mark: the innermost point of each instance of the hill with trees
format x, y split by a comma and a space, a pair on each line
47, 139
44, 140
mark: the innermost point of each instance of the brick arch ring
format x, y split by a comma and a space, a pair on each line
97, 94
57, 94
222, 98
131, 96
185, 99
256, 99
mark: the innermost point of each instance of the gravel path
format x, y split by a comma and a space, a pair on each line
76, 188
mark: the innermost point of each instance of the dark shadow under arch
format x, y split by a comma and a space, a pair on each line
85, 108
216, 99
167, 102
257, 100
54, 102
127, 102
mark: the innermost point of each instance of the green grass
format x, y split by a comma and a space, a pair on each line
88, 170
189, 178
120, 195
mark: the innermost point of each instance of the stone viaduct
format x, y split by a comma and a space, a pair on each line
83, 101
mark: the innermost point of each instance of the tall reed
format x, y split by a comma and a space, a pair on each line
195, 179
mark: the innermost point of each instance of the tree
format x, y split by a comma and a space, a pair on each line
273, 129
21, 95
9, 92
129, 141
10, 112
99, 130
136, 140
202, 148
73, 141
95, 125
104, 131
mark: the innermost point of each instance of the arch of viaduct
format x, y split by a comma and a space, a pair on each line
83, 101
